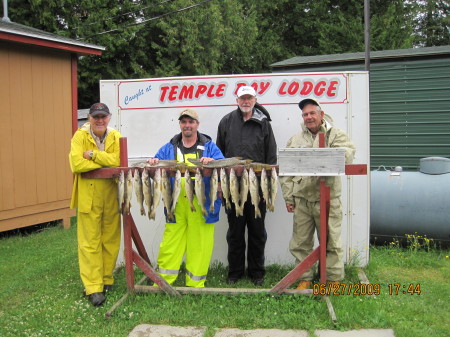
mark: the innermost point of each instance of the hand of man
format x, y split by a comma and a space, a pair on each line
153, 161
290, 208
206, 160
87, 154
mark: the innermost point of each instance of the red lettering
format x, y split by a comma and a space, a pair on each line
173, 93
264, 87
201, 89
187, 92
210, 91
162, 97
319, 89
307, 87
281, 90
220, 90
293, 88
331, 92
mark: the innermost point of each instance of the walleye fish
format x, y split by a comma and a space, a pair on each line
220, 162
121, 191
265, 188
189, 189
234, 191
164, 163
225, 187
273, 189
243, 189
254, 191
176, 190
147, 191
213, 187
138, 189
166, 191
156, 193
128, 192
200, 191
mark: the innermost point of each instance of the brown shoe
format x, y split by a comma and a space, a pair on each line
303, 285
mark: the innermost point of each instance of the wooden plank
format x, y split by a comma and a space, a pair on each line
28, 179
356, 169
35, 219
6, 165
330, 308
33, 209
49, 135
225, 291
295, 273
311, 161
113, 172
153, 275
40, 123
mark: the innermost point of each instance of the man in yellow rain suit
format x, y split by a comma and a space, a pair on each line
302, 195
93, 146
191, 232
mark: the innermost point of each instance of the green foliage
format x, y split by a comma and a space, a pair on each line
42, 296
144, 38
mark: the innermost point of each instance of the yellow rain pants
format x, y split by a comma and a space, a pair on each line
99, 237
191, 235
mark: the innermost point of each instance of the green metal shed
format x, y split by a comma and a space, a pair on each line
409, 100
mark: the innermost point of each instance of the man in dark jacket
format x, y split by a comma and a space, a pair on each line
246, 132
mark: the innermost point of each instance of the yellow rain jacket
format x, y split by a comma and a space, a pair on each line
98, 228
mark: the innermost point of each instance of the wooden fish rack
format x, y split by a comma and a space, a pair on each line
139, 257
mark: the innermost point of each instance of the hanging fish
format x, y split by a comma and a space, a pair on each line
138, 190
121, 191
213, 187
166, 191
273, 189
200, 191
176, 190
234, 191
265, 188
225, 187
189, 189
156, 193
128, 192
147, 191
254, 191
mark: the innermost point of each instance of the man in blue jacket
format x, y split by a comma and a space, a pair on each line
191, 232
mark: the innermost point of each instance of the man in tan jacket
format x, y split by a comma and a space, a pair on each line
302, 195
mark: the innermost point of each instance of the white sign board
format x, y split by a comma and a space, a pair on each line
146, 112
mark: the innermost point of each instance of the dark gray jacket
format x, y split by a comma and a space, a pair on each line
252, 139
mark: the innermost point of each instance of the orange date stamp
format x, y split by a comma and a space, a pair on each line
365, 289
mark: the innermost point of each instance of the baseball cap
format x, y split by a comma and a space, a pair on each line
307, 101
98, 109
246, 90
189, 113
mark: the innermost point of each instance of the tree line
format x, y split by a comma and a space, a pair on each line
159, 38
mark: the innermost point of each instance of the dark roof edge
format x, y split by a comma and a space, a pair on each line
19, 33
360, 56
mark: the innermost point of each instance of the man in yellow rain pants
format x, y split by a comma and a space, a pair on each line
93, 146
191, 232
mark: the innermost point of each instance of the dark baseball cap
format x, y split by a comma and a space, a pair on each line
98, 109
307, 101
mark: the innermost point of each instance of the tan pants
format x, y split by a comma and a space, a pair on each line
306, 220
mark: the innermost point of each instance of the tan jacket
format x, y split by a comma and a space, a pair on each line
309, 187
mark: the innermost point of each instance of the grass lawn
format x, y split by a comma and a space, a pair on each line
41, 295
